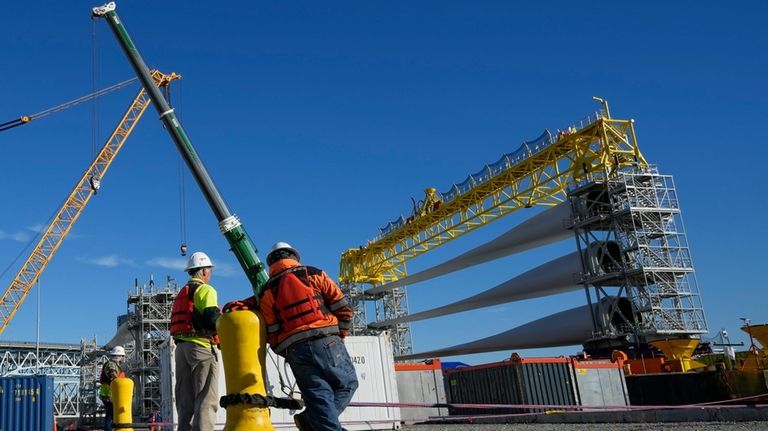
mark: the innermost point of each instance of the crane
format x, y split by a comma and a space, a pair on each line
229, 225
74, 205
25, 119
538, 173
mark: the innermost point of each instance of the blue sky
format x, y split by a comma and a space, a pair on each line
319, 121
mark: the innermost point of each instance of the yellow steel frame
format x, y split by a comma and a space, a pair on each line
58, 229
599, 149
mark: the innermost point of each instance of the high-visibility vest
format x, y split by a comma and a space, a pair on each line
185, 317
105, 390
297, 303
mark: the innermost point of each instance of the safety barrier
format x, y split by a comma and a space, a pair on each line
541, 409
548, 409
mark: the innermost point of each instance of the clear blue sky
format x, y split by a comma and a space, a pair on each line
319, 120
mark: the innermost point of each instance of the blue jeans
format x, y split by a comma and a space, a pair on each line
108, 412
326, 378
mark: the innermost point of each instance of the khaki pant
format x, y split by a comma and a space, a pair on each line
197, 387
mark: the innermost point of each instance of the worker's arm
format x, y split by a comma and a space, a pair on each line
206, 303
266, 306
112, 371
336, 303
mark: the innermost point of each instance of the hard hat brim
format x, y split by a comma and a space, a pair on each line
198, 267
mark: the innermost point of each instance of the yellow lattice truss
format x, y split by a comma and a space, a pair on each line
68, 214
598, 150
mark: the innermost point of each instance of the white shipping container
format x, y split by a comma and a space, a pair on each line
374, 364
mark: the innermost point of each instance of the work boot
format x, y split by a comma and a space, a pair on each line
302, 423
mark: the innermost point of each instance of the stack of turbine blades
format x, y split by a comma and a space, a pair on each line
547, 227
566, 328
550, 278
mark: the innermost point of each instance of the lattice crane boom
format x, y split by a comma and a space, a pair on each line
537, 176
73, 207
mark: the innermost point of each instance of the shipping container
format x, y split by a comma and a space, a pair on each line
547, 381
600, 383
374, 364
420, 383
26, 403
695, 387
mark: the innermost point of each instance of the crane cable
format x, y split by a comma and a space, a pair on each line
94, 85
27, 118
24, 119
182, 211
182, 199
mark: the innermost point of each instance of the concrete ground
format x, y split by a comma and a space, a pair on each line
676, 426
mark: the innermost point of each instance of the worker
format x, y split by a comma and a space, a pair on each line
111, 370
193, 328
307, 317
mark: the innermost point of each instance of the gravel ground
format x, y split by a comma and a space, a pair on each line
677, 426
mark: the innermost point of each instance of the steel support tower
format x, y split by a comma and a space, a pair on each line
392, 306
89, 406
629, 231
149, 315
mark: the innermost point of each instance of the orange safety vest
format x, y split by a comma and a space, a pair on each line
297, 303
184, 316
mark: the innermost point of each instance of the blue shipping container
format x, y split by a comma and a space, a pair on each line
26, 403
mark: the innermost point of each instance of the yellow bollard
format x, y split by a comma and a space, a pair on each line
122, 399
244, 352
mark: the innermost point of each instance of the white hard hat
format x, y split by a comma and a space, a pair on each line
198, 260
282, 246
117, 351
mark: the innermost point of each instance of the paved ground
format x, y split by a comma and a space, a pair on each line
691, 426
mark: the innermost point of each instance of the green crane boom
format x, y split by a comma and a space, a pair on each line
230, 226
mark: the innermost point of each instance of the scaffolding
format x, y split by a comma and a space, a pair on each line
630, 234
149, 314
92, 358
76, 368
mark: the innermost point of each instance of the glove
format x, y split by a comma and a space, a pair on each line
244, 304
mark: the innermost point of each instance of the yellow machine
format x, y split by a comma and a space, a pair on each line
593, 150
756, 358
539, 173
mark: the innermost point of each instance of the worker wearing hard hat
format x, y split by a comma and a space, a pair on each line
111, 370
193, 328
307, 316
